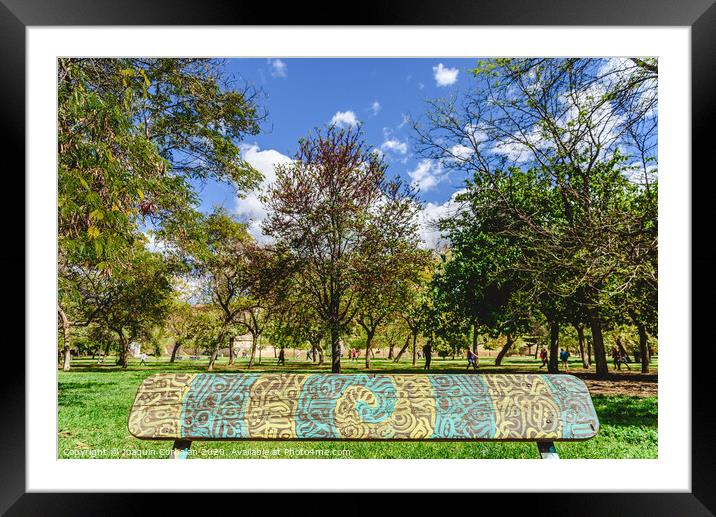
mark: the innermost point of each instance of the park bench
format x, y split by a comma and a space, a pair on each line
540, 408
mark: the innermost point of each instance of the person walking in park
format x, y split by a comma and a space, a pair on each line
543, 356
143, 359
471, 359
281, 357
564, 357
428, 353
623, 360
617, 358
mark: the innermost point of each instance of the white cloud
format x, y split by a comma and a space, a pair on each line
375, 108
445, 76
461, 152
250, 208
278, 68
345, 119
395, 146
428, 218
427, 175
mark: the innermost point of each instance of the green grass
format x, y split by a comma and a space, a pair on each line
94, 403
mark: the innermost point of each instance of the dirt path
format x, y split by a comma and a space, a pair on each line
621, 383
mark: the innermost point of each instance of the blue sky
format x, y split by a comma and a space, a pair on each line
301, 94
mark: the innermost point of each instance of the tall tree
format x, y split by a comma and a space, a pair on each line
569, 127
391, 262
133, 300
320, 208
133, 136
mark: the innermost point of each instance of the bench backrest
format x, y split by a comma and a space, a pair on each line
235, 406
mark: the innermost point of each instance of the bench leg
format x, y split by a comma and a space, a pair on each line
547, 451
180, 451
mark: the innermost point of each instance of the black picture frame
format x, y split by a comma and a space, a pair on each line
699, 15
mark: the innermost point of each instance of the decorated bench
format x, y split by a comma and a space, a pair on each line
464, 407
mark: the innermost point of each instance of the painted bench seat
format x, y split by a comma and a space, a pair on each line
248, 406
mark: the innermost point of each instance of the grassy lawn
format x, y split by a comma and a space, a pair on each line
94, 403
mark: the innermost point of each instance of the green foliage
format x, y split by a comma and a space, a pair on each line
560, 216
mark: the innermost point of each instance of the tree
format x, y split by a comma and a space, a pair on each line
179, 324
320, 209
133, 134
133, 301
557, 135
390, 263
217, 252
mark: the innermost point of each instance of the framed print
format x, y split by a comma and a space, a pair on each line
262, 247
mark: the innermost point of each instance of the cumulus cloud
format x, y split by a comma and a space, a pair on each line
395, 146
445, 76
461, 152
278, 68
427, 174
345, 119
428, 219
250, 208
375, 108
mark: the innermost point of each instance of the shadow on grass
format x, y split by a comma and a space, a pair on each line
626, 411
74, 394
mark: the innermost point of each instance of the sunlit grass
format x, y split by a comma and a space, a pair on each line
95, 399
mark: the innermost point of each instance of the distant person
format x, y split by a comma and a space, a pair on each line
616, 358
143, 359
471, 359
281, 357
428, 354
564, 357
623, 360
543, 356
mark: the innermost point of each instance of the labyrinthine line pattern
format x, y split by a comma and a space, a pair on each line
363, 407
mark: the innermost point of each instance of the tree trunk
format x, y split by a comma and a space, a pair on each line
600, 355
391, 350
232, 356
320, 354
643, 348
175, 349
589, 350
123, 360
475, 337
335, 349
67, 355
403, 349
212, 358
580, 338
503, 352
553, 366
368, 349
415, 348
254, 343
